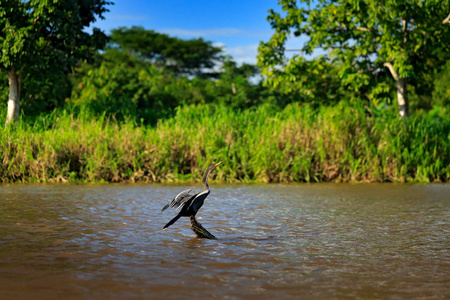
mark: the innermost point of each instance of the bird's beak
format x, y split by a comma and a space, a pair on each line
217, 164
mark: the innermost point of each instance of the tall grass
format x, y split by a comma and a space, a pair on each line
265, 144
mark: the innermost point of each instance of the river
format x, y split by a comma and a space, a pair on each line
303, 241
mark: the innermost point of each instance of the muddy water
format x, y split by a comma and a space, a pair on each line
275, 242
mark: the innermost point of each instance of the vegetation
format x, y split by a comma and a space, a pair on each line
364, 41
182, 57
45, 37
264, 144
155, 108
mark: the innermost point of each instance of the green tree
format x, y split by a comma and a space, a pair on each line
235, 88
184, 57
363, 39
130, 89
38, 37
441, 93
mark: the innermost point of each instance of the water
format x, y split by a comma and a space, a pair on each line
324, 241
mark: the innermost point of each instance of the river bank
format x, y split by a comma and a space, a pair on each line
297, 144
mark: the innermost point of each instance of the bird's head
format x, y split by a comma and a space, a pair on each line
205, 178
213, 166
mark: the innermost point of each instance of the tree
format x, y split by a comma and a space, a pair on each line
184, 57
234, 87
441, 93
130, 90
45, 36
364, 39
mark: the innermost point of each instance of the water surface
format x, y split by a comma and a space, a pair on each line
322, 241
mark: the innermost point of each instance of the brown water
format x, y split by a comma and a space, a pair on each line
275, 242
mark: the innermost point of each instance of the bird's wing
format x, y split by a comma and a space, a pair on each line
199, 199
179, 200
182, 194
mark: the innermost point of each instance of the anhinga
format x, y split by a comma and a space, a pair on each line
191, 205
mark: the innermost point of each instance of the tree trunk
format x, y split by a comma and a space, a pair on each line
402, 92
15, 82
402, 97
199, 230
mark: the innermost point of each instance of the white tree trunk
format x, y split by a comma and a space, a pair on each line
402, 97
402, 92
15, 81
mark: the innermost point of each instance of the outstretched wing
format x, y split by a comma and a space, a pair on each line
179, 200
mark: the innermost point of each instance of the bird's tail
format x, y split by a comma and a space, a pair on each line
172, 221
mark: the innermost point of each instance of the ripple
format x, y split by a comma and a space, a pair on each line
275, 241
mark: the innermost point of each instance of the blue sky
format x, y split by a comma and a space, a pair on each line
236, 25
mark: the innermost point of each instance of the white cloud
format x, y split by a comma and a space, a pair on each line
202, 32
227, 32
243, 54
219, 44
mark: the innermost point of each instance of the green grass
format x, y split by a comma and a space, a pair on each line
265, 144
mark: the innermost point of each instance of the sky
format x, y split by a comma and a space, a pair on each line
236, 25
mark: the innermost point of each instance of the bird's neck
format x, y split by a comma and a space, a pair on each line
205, 180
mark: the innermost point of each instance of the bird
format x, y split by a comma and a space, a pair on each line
191, 204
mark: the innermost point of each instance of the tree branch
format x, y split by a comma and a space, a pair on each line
447, 20
199, 230
391, 68
363, 29
404, 30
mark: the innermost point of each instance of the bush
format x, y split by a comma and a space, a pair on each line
263, 144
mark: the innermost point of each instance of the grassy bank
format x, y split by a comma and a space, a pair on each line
265, 144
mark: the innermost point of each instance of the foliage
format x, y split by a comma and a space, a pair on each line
38, 35
441, 93
130, 91
3, 90
311, 81
183, 57
43, 39
234, 87
123, 86
264, 144
359, 37
156, 108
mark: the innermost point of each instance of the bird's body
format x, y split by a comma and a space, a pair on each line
190, 204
